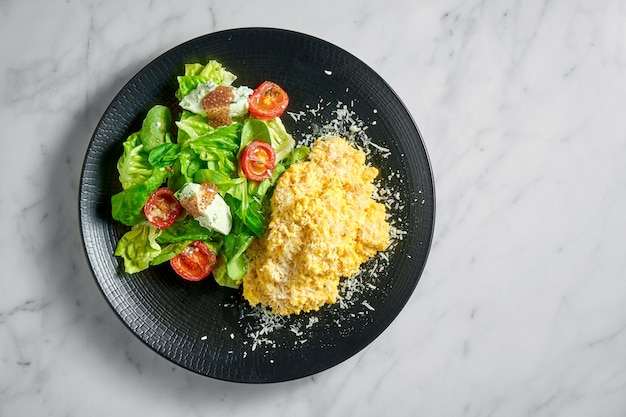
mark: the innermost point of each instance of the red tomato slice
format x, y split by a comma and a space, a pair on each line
162, 208
195, 262
258, 160
267, 101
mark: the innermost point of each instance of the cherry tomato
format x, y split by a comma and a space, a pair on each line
162, 208
195, 262
267, 101
258, 160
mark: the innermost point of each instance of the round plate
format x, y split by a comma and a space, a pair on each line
209, 329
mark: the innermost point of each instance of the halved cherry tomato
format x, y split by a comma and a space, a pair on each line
258, 160
195, 262
267, 101
162, 208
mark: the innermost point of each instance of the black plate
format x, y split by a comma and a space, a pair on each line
208, 329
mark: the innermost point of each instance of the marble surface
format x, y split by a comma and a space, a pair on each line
521, 310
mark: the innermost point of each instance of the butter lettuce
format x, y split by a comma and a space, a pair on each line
231, 264
164, 155
225, 183
155, 129
219, 148
169, 251
282, 142
138, 247
191, 126
133, 166
187, 229
196, 74
127, 205
252, 130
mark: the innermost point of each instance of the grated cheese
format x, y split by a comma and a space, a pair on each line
367, 305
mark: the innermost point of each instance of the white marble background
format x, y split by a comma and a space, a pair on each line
521, 310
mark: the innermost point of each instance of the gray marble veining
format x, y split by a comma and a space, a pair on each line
521, 310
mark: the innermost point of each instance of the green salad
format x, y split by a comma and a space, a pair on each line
196, 189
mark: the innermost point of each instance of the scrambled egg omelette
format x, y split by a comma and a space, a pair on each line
324, 225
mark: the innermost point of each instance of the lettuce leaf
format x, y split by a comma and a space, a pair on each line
230, 273
155, 128
218, 149
187, 229
196, 74
282, 142
254, 129
164, 155
224, 137
133, 166
216, 72
191, 126
250, 212
169, 251
231, 265
260, 189
299, 154
138, 247
127, 205
188, 163
193, 69
225, 183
